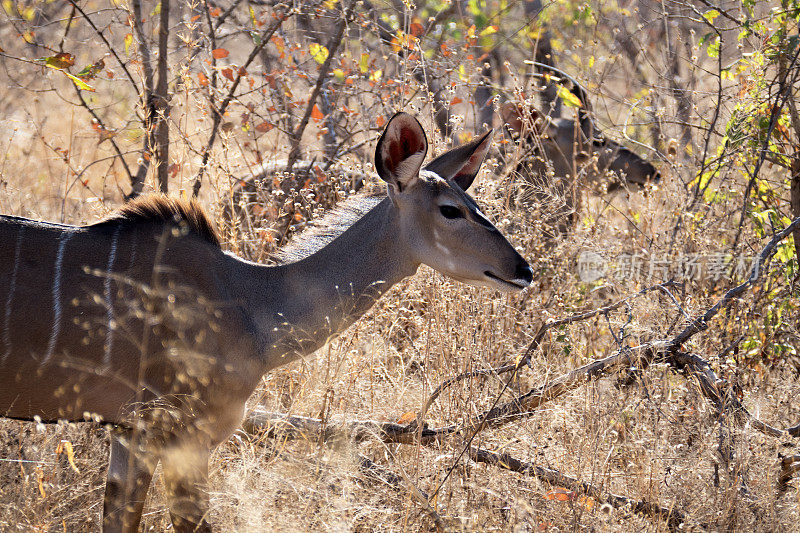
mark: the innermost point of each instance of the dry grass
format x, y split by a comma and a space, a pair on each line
655, 439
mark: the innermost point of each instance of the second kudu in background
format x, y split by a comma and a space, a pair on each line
560, 157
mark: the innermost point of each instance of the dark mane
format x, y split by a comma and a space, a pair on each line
157, 208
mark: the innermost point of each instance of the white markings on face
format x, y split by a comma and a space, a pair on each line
112, 255
11, 289
62, 244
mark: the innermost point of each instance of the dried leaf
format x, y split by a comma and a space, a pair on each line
202, 79
264, 127
65, 446
40, 480
561, 495
316, 114
407, 417
219, 53
103, 132
227, 72
59, 61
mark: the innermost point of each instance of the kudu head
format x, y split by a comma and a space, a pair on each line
573, 149
440, 224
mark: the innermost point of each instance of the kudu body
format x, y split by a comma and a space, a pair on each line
143, 322
559, 157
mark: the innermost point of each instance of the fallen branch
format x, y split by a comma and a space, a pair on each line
789, 466
674, 518
277, 425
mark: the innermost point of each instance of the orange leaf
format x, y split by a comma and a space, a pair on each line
316, 114
228, 73
587, 502
407, 417
219, 53
215, 12
456, 100
264, 127
202, 79
561, 495
380, 121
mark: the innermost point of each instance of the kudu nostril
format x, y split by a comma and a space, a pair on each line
524, 272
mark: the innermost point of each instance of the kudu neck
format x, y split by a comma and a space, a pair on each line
298, 306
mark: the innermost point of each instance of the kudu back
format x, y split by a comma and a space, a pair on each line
142, 321
560, 157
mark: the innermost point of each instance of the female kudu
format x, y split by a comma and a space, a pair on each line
143, 322
561, 154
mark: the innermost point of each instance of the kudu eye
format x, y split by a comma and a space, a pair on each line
449, 211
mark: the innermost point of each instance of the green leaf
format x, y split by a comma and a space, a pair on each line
568, 98
318, 52
90, 71
79, 82
713, 48
711, 15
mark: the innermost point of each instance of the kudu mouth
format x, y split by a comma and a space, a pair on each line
523, 278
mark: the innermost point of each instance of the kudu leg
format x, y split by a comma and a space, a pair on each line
185, 471
130, 470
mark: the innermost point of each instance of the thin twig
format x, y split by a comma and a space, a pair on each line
218, 113
332, 45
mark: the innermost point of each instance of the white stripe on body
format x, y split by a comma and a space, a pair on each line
107, 294
62, 243
12, 288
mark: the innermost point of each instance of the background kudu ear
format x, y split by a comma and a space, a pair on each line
512, 117
461, 164
401, 151
515, 119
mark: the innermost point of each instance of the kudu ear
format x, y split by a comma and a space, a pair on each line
514, 118
401, 151
461, 164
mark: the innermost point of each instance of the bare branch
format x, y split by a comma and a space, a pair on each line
162, 102
218, 113
332, 45
675, 519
